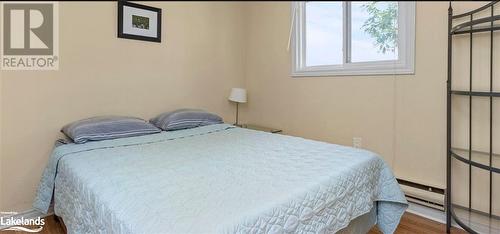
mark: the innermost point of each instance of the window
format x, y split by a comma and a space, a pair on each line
353, 38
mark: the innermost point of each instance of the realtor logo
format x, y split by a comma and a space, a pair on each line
30, 33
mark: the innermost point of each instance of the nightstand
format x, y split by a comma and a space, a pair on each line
261, 128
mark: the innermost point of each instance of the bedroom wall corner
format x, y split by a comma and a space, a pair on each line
197, 63
400, 117
331, 109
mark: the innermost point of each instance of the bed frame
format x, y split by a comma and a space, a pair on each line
471, 23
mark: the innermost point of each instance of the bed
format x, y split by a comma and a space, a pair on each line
219, 179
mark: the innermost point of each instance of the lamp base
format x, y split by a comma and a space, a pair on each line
236, 123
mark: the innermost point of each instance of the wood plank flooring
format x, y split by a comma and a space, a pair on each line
410, 223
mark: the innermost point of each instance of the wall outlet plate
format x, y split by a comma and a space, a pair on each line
357, 142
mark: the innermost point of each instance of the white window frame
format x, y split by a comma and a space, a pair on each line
406, 46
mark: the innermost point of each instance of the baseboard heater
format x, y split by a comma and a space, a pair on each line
423, 194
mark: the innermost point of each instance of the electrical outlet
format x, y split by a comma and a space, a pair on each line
357, 142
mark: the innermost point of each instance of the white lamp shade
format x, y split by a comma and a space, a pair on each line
238, 95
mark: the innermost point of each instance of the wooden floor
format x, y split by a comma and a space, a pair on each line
410, 223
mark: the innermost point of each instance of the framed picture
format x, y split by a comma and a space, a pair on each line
139, 22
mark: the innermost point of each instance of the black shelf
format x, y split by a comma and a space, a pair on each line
468, 26
463, 154
475, 10
473, 221
477, 30
476, 93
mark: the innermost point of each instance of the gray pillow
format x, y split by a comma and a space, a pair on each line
107, 127
185, 118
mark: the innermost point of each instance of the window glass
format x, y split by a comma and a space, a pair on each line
374, 27
323, 33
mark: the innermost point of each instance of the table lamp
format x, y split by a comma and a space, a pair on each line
238, 95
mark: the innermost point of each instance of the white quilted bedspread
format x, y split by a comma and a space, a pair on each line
217, 179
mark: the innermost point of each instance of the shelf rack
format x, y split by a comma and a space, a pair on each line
470, 219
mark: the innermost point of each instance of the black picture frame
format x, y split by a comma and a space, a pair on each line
121, 4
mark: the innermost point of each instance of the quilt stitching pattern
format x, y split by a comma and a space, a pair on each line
226, 180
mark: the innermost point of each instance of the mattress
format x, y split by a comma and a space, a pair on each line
217, 179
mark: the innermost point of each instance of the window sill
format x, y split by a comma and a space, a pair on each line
378, 72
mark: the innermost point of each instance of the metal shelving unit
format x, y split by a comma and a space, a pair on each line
471, 219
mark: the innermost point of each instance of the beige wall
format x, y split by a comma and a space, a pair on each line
383, 110
208, 48
199, 60
401, 117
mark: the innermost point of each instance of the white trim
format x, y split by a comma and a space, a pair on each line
290, 35
346, 32
28, 214
406, 46
429, 213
